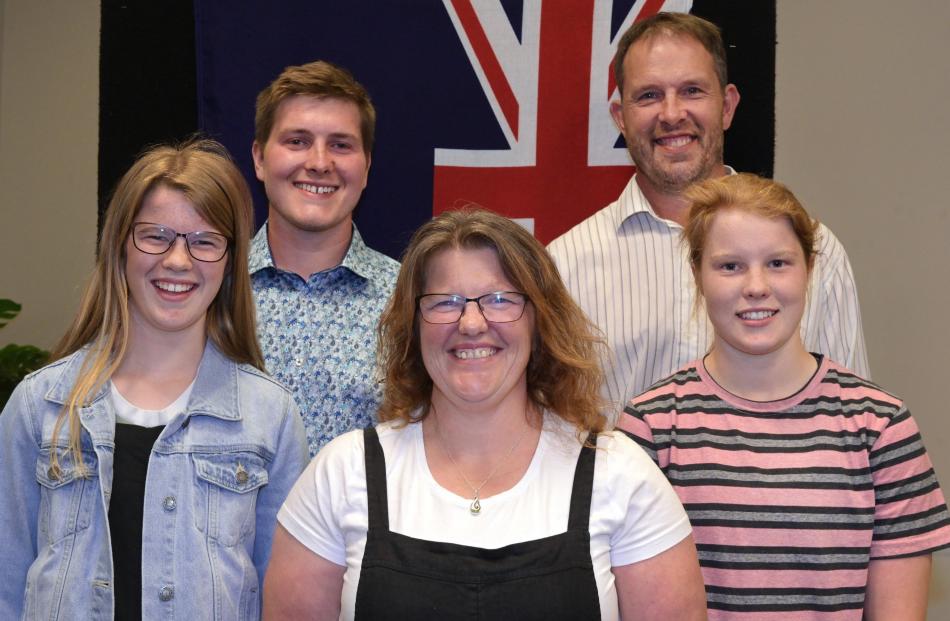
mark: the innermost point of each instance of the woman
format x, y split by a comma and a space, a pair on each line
480, 495
809, 489
142, 471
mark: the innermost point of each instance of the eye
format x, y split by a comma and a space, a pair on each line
729, 266
442, 303
693, 91
155, 234
342, 145
648, 96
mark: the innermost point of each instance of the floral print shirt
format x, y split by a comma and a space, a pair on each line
318, 335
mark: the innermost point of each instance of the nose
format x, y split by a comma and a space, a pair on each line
319, 159
177, 257
756, 284
672, 110
472, 320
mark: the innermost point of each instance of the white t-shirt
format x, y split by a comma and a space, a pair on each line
130, 414
634, 512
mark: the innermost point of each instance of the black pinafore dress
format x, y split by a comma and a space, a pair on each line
407, 578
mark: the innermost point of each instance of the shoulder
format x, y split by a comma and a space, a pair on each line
685, 380
584, 236
260, 384
851, 391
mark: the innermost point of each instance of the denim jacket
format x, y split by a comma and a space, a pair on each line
216, 476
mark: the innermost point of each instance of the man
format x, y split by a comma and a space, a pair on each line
625, 265
319, 289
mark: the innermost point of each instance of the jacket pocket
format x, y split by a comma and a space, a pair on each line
67, 500
227, 494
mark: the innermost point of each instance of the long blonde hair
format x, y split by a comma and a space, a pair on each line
203, 171
563, 374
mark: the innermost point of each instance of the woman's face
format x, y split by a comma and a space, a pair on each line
474, 361
754, 277
170, 293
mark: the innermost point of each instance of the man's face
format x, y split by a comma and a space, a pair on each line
673, 111
313, 165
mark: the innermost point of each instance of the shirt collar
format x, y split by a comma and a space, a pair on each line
633, 202
358, 257
215, 392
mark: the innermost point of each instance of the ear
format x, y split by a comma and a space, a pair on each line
616, 111
257, 152
730, 100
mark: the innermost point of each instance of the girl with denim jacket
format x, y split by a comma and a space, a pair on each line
141, 472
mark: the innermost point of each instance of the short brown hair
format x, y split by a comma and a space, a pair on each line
674, 24
320, 79
564, 374
748, 192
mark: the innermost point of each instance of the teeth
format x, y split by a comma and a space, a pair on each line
469, 354
174, 287
678, 141
313, 189
757, 315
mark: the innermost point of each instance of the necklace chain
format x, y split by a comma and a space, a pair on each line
476, 507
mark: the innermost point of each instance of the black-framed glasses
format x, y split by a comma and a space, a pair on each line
496, 307
152, 238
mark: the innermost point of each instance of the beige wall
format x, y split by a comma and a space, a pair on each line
863, 138
49, 98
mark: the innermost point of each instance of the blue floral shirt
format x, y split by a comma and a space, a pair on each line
318, 336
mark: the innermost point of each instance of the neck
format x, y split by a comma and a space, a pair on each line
478, 432
307, 252
156, 369
670, 204
768, 377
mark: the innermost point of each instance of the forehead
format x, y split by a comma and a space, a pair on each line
170, 207
738, 230
667, 57
317, 115
470, 271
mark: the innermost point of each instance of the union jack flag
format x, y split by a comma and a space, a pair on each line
503, 103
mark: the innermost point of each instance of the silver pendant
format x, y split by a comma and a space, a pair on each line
476, 507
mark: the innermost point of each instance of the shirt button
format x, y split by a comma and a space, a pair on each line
298, 362
167, 593
169, 504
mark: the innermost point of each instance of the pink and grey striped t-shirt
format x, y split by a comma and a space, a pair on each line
790, 500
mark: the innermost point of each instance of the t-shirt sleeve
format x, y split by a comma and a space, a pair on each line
318, 505
652, 520
633, 424
910, 516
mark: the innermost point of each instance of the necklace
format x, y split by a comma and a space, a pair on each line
476, 507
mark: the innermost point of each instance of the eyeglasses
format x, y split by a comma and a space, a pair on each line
496, 307
153, 238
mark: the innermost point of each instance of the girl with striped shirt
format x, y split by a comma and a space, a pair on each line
808, 487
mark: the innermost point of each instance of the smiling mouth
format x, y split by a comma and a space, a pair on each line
674, 141
316, 189
754, 315
472, 354
173, 287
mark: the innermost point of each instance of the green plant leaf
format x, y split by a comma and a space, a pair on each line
8, 310
17, 361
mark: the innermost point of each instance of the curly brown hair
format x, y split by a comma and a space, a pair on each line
564, 375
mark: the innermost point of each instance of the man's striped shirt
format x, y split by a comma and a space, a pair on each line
790, 500
626, 267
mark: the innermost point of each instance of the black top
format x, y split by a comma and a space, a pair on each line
407, 578
133, 445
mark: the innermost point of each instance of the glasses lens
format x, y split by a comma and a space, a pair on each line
207, 246
502, 306
152, 238
441, 308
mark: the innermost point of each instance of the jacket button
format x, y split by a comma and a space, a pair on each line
169, 504
241, 475
167, 593
53, 473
